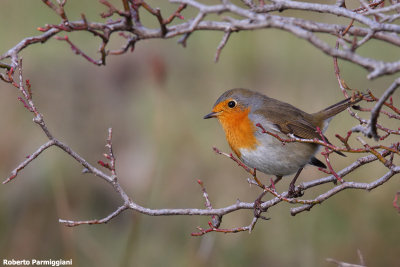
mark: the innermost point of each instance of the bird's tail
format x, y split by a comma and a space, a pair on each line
339, 107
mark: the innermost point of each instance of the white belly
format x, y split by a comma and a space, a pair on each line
273, 157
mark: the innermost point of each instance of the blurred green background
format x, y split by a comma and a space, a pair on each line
154, 99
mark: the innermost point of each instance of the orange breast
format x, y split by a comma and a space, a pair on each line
239, 130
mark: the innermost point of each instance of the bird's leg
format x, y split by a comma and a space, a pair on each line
274, 182
291, 191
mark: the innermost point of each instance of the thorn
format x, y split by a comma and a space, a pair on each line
42, 29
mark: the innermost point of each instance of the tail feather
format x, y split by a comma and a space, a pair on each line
316, 162
338, 107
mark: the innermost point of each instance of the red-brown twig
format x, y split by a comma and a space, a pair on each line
225, 231
249, 170
77, 51
59, 10
109, 156
345, 140
113, 10
372, 129
326, 155
176, 14
157, 13
388, 104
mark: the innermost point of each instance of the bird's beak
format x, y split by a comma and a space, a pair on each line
211, 115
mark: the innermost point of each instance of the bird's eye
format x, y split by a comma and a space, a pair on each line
232, 103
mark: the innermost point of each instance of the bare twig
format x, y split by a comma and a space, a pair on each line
77, 51
28, 160
345, 264
222, 44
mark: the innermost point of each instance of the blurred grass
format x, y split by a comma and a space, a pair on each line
154, 99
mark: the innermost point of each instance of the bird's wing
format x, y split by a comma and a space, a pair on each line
302, 129
299, 128
289, 120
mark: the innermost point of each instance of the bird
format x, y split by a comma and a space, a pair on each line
247, 115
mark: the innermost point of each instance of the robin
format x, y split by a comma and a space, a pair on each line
240, 111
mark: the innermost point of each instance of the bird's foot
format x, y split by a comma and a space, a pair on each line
293, 193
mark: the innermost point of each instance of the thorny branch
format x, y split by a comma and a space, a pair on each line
376, 20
